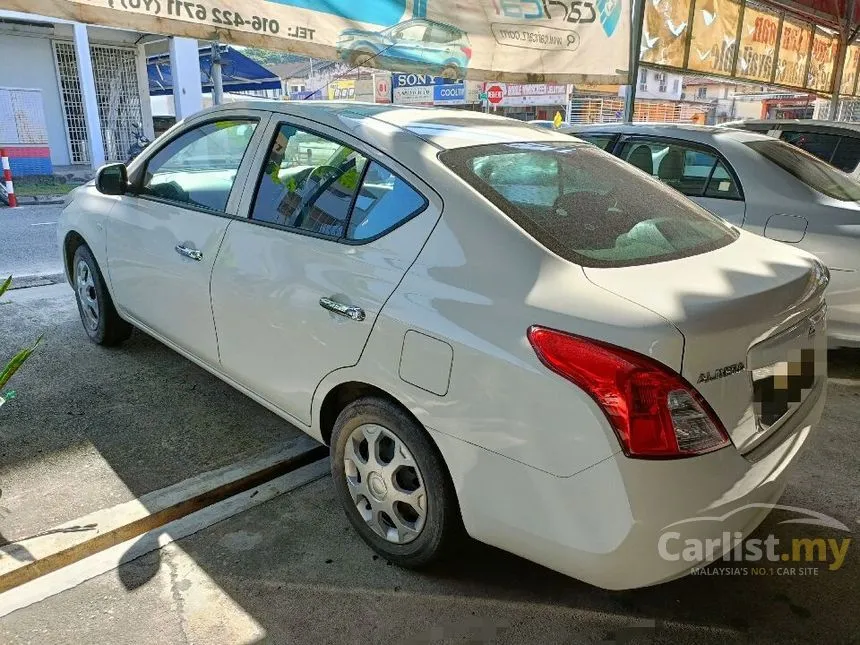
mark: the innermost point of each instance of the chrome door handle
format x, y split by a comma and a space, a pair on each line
194, 254
351, 312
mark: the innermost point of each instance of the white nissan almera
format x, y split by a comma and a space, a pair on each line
496, 328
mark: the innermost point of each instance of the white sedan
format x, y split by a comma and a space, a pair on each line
496, 328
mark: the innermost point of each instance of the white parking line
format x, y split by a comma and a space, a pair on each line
74, 574
42, 223
63, 545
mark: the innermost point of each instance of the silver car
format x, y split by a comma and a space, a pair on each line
762, 185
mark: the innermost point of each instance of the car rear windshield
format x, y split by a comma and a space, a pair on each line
809, 169
587, 206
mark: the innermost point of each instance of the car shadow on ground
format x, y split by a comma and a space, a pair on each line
844, 363
309, 573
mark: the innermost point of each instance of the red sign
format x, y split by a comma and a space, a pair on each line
382, 91
495, 94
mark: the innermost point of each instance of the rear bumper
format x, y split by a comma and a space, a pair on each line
604, 525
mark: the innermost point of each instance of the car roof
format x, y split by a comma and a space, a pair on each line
819, 125
689, 132
443, 128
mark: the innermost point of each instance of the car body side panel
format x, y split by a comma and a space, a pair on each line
86, 215
604, 525
731, 210
290, 342
500, 396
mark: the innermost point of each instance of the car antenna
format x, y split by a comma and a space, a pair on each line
341, 75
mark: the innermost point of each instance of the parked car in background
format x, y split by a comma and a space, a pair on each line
162, 123
543, 123
835, 142
420, 46
495, 327
762, 185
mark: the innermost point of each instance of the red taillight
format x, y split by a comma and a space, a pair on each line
467, 51
655, 413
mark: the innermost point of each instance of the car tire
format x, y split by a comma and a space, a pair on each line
451, 72
95, 306
372, 491
361, 58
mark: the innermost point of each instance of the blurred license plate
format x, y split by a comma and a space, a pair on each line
780, 386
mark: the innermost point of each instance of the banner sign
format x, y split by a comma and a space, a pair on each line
529, 94
757, 54
451, 94
746, 41
849, 73
715, 36
824, 48
664, 33
533, 40
341, 89
793, 53
426, 89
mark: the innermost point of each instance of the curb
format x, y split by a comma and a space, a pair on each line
116, 554
27, 281
27, 559
40, 200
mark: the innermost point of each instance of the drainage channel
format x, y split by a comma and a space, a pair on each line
158, 517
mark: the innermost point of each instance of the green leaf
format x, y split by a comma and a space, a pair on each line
5, 285
17, 361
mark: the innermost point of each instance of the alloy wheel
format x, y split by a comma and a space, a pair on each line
87, 296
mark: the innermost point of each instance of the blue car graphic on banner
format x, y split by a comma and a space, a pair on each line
413, 45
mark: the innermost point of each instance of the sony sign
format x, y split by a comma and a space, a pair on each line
413, 80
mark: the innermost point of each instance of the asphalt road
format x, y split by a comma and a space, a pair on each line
28, 241
92, 427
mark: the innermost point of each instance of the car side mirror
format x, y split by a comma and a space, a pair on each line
112, 179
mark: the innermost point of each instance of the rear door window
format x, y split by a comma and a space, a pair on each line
847, 154
588, 207
722, 184
384, 202
602, 141
810, 170
815, 143
308, 183
315, 185
683, 168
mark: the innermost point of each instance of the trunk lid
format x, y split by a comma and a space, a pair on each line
752, 317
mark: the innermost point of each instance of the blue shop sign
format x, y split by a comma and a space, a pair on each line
449, 93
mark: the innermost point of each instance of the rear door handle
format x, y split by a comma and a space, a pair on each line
348, 311
194, 254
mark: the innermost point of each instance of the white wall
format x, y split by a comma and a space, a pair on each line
674, 85
35, 69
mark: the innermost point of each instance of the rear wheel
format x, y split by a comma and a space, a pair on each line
451, 72
393, 484
361, 58
98, 314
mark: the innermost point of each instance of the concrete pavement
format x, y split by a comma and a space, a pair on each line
28, 241
293, 571
93, 427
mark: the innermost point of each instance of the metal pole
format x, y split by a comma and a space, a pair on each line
637, 20
217, 83
568, 113
844, 35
